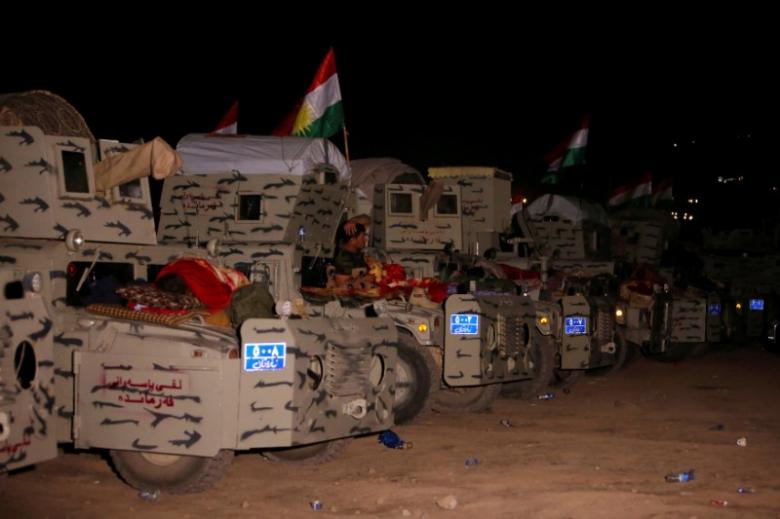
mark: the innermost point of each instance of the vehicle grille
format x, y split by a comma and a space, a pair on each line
512, 334
605, 326
347, 369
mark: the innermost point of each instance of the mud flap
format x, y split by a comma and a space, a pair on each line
27, 428
661, 323
486, 339
173, 405
689, 319
576, 336
714, 318
310, 380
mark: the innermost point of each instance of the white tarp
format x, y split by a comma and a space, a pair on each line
252, 154
368, 172
570, 208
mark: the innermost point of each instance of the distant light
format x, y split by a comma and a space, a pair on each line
525, 200
693, 141
774, 188
674, 144
720, 179
690, 200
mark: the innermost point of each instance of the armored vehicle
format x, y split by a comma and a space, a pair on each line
667, 313
288, 213
747, 264
566, 241
435, 230
170, 396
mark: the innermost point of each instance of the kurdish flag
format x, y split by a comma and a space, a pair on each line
634, 191
320, 112
571, 151
662, 193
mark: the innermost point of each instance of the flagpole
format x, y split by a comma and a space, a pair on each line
346, 142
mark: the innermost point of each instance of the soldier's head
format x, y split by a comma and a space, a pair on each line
355, 242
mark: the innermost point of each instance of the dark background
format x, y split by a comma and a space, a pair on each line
693, 97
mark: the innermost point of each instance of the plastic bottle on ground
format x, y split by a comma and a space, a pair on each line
149, 495
680, 477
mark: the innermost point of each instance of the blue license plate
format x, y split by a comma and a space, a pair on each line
464, 324
265, 356
713, 309
756, 304
575, 325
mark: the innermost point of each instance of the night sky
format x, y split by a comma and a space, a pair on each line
487, 93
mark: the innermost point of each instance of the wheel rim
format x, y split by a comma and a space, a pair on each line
162, 460
404, 382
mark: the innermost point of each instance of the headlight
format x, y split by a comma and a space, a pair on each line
543, 321
620, 315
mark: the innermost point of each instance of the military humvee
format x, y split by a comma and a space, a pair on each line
672, 319
746, 263
565, 242
424, 227
170, 397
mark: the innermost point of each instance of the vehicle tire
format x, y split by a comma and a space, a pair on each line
170, 473
313, 454
566, 378
624, 353
468, 399
543, 357
415, 380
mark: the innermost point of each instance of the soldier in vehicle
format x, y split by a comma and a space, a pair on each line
350, 261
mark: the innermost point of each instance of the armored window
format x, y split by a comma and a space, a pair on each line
133, 191
75, 177
326, 174
401, 203
447, 205
250, 207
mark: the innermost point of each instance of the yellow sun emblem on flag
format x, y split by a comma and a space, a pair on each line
303, 120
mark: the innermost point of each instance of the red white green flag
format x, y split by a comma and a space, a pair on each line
634, 191
569, 152
320, 112
663, 192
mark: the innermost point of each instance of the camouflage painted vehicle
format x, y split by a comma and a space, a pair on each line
288, 213
675, 318
421, 226
170, 397
470, 211
747, 264
566, 240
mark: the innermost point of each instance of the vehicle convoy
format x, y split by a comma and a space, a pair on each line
747, 264
285, 233
468, 209
170, 396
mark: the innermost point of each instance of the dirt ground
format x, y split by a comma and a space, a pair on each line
601, 450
